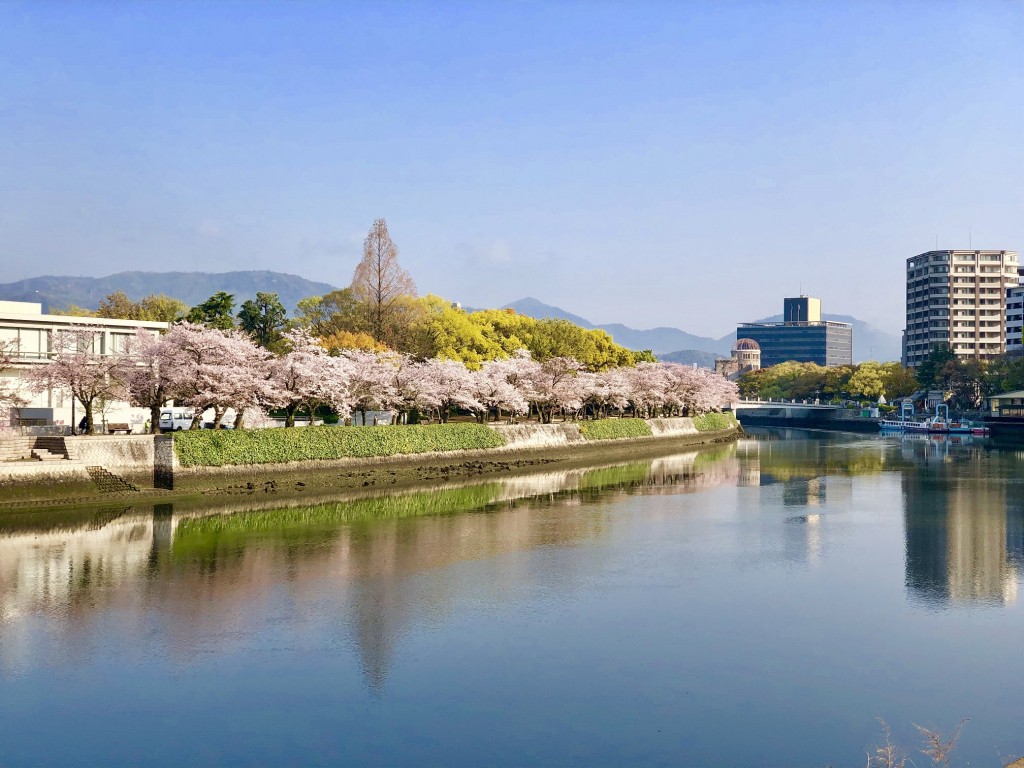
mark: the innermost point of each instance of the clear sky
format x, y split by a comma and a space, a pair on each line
678, 163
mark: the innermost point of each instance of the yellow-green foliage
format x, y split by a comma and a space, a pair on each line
609, 429
217, 448
711, 422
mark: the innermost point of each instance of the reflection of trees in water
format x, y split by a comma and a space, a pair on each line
206, 572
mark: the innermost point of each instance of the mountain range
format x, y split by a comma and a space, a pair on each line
58, 292
673, 344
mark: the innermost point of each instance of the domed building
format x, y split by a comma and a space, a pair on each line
746, 357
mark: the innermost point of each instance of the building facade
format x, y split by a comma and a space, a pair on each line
1015, 321
29, 336
959, 298
746, 357
802, 336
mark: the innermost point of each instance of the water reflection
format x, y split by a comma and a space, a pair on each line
205, 568
962, 509
197, 573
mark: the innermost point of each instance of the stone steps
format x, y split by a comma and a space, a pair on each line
108, 482
44, 455
32, 448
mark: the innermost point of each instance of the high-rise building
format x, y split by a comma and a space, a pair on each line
1015, 320
957, 298
802, 336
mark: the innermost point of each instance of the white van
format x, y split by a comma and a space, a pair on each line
175, 419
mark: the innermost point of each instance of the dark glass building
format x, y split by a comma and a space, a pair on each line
803, 336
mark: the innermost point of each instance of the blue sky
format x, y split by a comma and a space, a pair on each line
684, 164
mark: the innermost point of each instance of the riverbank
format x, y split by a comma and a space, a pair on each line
525, 448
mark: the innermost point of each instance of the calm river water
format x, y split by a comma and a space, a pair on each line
759, 604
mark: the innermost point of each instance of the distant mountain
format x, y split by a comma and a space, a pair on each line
675, 345
190, 287
691, 357
539, 310
658, 340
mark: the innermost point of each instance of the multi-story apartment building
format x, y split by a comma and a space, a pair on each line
1015, 320
958, 298
802, 336
28, 336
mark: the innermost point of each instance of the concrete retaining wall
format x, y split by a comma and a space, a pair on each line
149, 461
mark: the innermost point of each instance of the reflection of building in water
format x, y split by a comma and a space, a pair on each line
956, 536
804, 493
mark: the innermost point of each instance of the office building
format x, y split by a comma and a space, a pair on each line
958, 298
29, 336
802, 336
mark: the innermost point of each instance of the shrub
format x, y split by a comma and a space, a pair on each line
711, 422
217, 448
609, 429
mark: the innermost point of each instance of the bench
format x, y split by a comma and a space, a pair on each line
114, 428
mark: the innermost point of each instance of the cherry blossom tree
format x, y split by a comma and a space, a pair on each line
447, 384
79, 367
305, 378
11, 394
220, 370
553, 385
610, 389
370, 384
494, 386
151, 377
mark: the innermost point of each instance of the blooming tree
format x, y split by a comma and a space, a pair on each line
447, 384
79, 366
370, 384
151, 377
494, 386
11, 394
305, 377
553, 385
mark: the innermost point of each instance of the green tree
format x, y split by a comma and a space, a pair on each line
161, 308
867, 381
937, 368
216, 312
118, 305
898, 381
263, 318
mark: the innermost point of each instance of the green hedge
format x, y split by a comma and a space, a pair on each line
217, 448
609, 429
711, 422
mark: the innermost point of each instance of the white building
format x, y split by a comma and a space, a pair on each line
30, 333
958, 297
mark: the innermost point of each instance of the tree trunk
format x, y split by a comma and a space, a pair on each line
289, 414
154, 419
89, 426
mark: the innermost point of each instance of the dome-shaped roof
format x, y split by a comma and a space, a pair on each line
747, 344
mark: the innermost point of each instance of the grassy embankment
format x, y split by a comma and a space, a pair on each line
277, 446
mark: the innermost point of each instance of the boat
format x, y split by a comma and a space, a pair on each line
905, 422
940, 423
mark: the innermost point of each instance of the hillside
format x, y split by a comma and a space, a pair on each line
57, 292
658, 340
673, 344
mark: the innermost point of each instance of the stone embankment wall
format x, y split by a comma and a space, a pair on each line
130, 457
150, 462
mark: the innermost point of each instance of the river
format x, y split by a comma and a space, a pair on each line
760, 603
